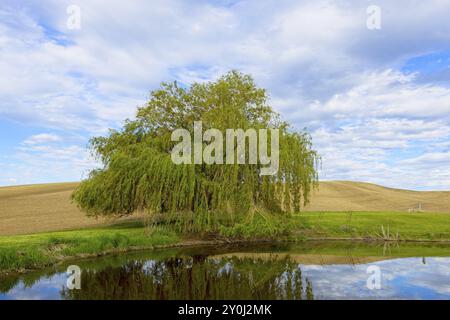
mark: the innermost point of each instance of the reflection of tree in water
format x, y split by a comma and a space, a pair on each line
7, 283
196, 277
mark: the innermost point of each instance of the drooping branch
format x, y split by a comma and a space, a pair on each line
138, 172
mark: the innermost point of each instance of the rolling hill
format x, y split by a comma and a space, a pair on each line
361, 196
47, 207
40, 208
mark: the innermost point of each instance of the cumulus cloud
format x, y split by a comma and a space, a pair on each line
385, 127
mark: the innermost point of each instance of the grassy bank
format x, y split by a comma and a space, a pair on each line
44, 249
373, 225
40, 250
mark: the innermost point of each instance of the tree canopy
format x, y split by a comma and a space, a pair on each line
138, 173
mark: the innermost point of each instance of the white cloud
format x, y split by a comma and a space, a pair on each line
42, 138
381, 129
55, 163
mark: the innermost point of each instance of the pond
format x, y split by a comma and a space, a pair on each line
311, 270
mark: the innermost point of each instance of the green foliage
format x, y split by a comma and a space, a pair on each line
259, 226
12, 259
139, 175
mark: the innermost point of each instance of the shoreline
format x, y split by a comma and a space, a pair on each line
192, 243
36, 251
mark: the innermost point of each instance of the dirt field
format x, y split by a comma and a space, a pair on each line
40, 208
359, 196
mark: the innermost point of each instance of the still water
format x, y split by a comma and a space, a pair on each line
286, 271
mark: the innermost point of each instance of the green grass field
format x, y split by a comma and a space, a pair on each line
407, 226
40, 250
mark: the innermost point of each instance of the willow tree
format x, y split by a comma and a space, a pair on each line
138, 173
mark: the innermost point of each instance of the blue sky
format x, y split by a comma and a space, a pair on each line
377, 102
